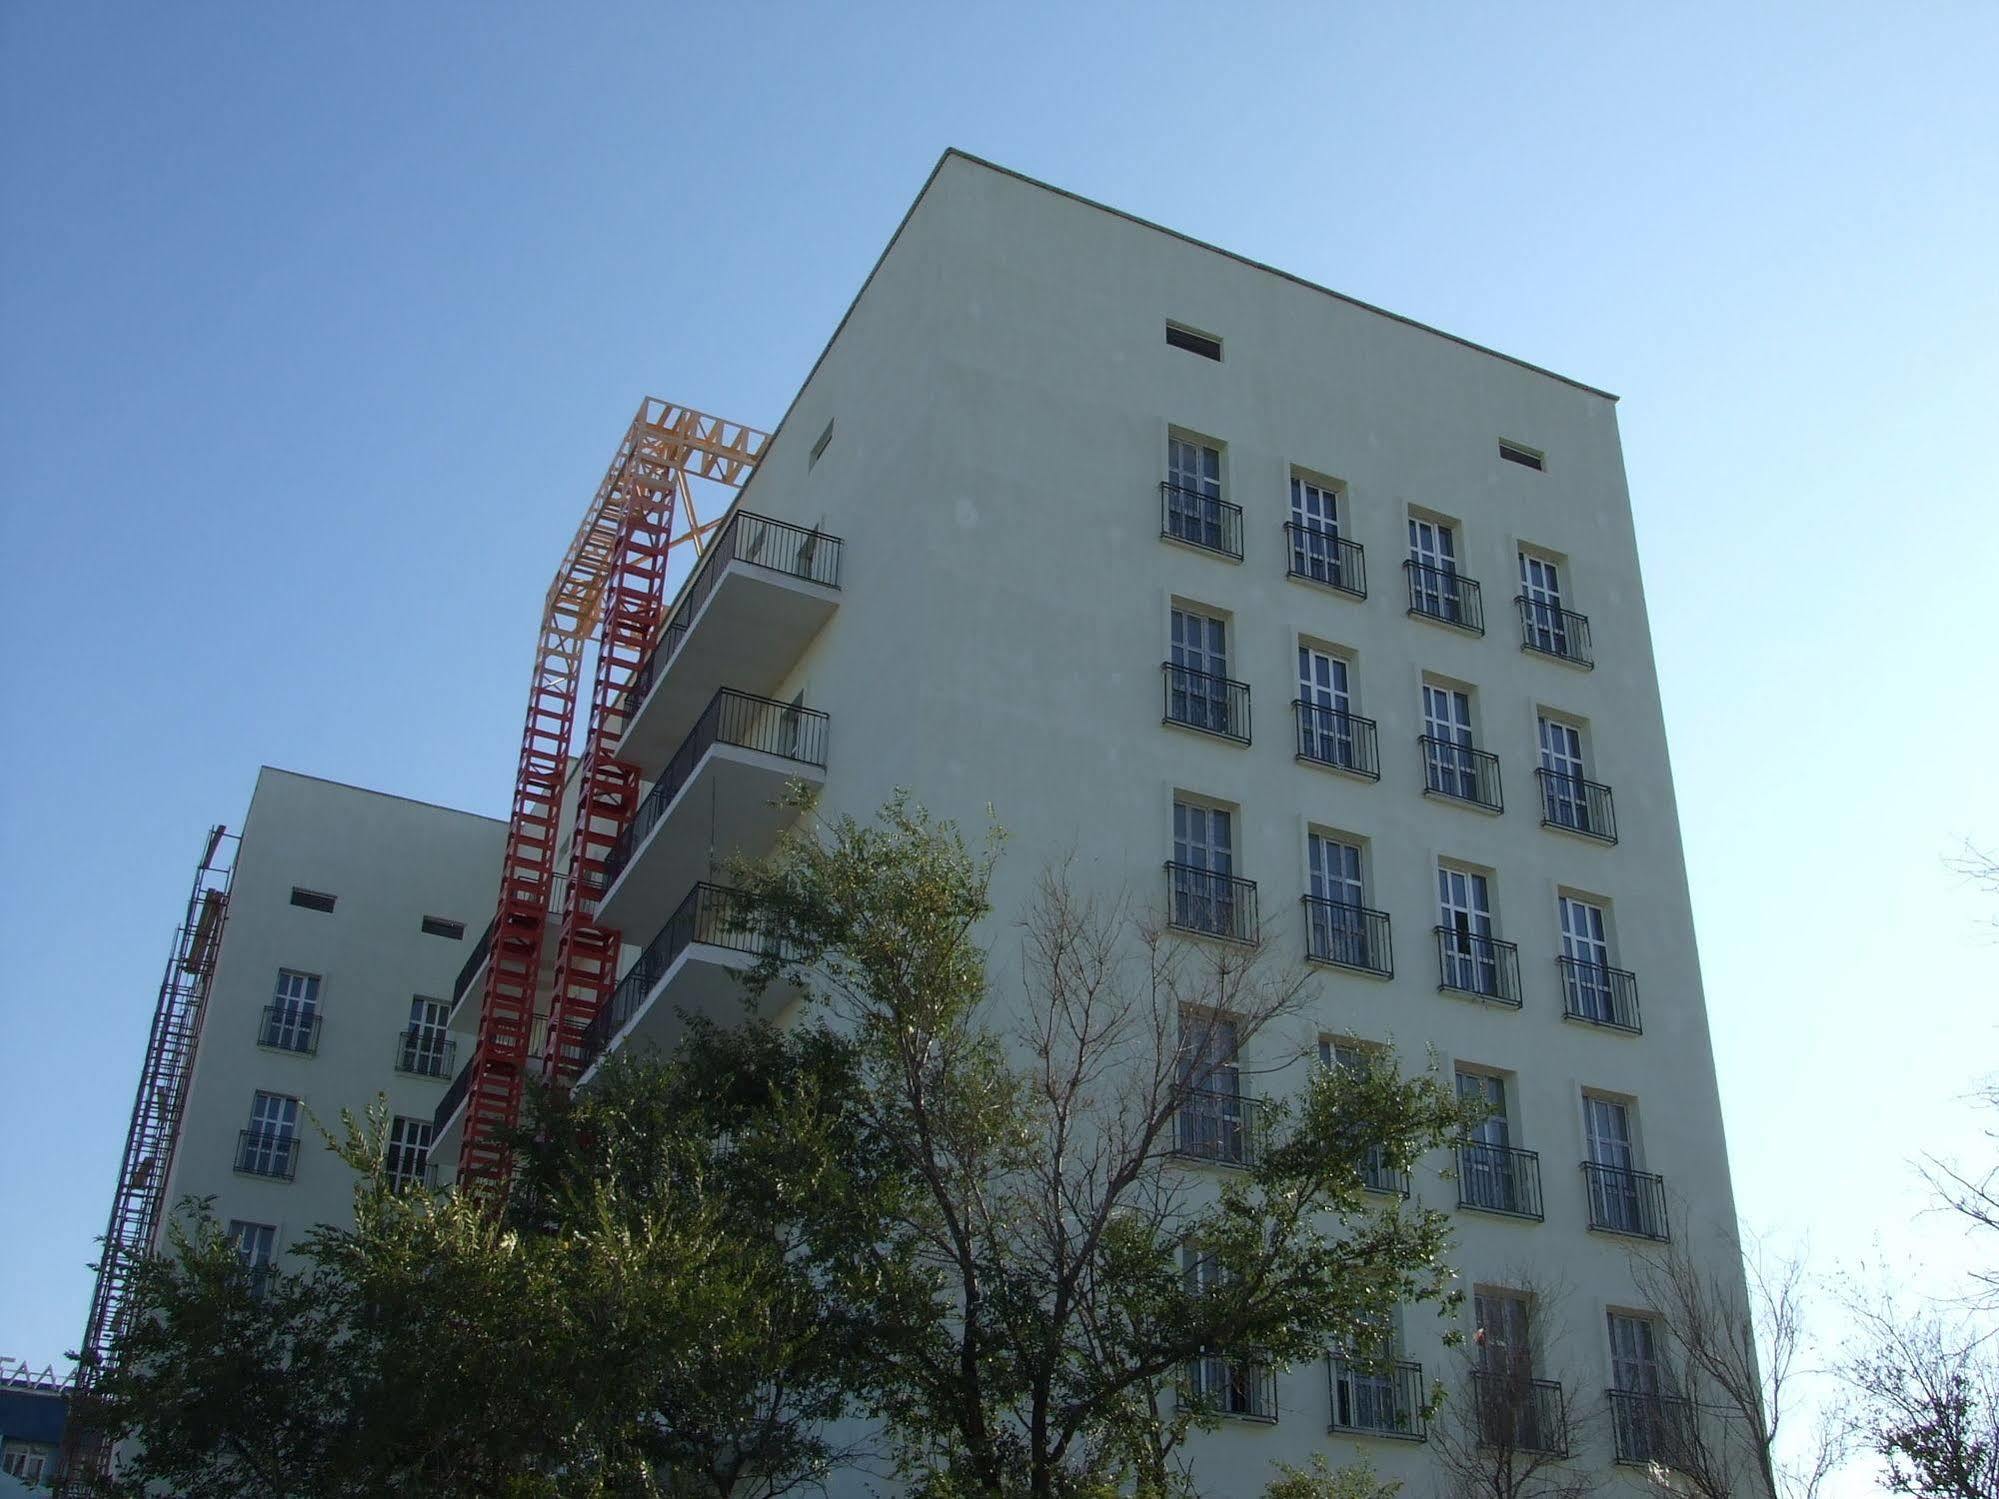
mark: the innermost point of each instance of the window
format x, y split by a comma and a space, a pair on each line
1566, 800
1199, 693
1233, 1387
269, 1146
1493, 1176
1196, 513
1373, 1391
1433, 550
1586, 961
1512, 452
1211, 1120
1206, 897
1650, 1425
1328, 732
437, 926
27, 1461
409, 1152
255, 1243
1450, 766
1622, 1199
1505, 1336
1473, 961
312, 900
1355, 1060
1340, 927
291, 1019
1541, 605
1205, 345
425, 1047
1318, 553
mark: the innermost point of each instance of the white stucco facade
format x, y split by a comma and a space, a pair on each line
388, 864
1000, 400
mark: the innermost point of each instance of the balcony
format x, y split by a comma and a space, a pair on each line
450, 1106
1577, 806
1336, 740
694, 966
271, 1153
425, 1051
475, 963
1217, 1126
1481, 966
1459, 773
1200, 520
721, 794
1330, 560
1376, 1175
1243, 1388
757, 599
290, 1027
1200, 700
1348, 936
1449, 598
1211, 904
1377, 1397
1550, 630
1519, 1413
1599, 994
1499, 1179
1623, 1201
1652, 1430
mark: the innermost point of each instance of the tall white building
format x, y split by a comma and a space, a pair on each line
1302, 622
349, 917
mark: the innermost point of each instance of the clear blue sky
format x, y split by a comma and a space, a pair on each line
318, 323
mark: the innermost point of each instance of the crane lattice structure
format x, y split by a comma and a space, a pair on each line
612, 576
150, 1140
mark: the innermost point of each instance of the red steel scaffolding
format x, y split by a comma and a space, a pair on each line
614, 576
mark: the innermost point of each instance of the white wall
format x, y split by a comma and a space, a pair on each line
390, 862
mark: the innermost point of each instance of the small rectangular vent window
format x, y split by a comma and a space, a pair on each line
312, 900
437, 926
820, 446
1194, 343
1525, 457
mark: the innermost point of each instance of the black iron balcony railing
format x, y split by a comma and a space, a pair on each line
1204, 701
710, 914
1216, 1125
1376, 1175
1348, 936
741, 719
453, 1097
1326, 557
1623, 1201
1551, 630
291, 1027
1599, 994
1652, 1430
1519, 1413
1377, 1397
1577, 806
1201, 520
1214, 905
1443, 595
1243, 1388
425, 1051
1499, 1179
1469, 963
1460, 773
473, 961
267, 1152
776, 545
1343, 741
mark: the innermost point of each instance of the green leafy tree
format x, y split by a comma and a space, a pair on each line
1075, 1263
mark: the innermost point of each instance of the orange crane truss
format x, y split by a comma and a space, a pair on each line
613, 575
